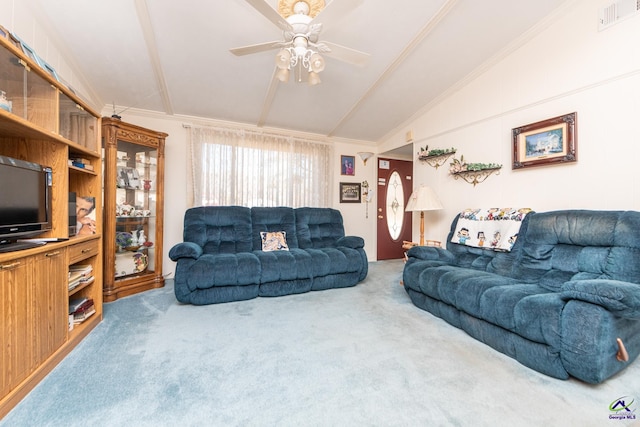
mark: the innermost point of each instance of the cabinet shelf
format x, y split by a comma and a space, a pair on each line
79, 288
81, 170
133, 219
14, 126
80, 330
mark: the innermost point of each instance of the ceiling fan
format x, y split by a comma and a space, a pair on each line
300, 50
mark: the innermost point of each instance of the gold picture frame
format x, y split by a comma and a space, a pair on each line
546, 142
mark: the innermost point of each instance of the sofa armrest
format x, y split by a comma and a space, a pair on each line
185, 250
620, 298
353, 242
433, 253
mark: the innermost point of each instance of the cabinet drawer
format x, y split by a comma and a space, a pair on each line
81, 251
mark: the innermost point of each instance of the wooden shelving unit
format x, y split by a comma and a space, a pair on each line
48, 124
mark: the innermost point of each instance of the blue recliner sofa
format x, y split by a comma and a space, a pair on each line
565, 300
233, 253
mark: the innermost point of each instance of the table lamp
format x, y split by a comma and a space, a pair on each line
423, 199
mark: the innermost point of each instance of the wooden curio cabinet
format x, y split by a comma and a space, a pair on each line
133, 208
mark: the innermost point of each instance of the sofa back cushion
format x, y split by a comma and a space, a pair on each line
581, 244
318, 227
219, 229
273, 220
487, 259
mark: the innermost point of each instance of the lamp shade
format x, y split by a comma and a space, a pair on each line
365, 155
282, 75
314, 78
423, 198
283, 59
316, 62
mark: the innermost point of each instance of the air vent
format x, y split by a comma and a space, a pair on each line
617, 11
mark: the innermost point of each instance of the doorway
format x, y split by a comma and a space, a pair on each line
394, 225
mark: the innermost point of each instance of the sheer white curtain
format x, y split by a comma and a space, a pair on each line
248, 168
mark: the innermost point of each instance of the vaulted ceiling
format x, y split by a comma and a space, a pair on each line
173, 57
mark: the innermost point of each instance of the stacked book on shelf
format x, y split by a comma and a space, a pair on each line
81, 163
80, 274
81, 309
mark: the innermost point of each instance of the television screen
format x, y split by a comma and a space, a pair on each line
21, 193
25, 199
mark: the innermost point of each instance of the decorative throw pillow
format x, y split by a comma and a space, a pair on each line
274, 241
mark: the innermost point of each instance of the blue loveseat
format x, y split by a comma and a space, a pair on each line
564, 301
222, 259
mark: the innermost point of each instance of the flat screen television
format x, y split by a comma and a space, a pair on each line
25, 202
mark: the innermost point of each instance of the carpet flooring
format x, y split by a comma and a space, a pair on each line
361, 356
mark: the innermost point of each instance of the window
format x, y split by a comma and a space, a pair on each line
247, 168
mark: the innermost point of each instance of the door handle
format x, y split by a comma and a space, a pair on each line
380, 217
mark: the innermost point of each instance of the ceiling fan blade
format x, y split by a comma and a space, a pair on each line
255, 48
270, 13
269, 97
336, 10
344, 54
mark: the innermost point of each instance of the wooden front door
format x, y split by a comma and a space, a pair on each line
395, 185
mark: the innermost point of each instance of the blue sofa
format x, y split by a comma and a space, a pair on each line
222, 259
564, 301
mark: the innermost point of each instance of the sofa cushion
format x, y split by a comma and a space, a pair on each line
498, 262
466, 289
318, 227
621, 298
224, 269
562, 245
284, 265
219, 229
328, 261
278, 219
538, 317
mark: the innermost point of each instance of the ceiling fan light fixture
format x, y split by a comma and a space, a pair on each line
316, 63
283, 59
283, 75
314, 79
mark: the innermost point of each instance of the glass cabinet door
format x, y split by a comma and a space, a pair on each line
134, 208
136, 176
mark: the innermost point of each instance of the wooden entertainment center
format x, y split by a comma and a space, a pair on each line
45, 122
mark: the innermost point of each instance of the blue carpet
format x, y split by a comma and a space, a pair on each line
343, 357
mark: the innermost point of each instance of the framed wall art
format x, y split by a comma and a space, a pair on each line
350, 192
348, 165
546, 142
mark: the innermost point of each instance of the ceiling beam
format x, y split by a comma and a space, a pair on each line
408, 50
152, 48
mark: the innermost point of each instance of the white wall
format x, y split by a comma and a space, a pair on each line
569, 66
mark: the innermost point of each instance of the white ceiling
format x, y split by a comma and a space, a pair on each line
173, 57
